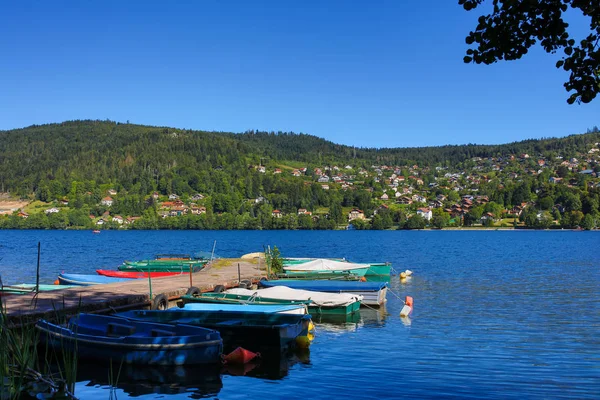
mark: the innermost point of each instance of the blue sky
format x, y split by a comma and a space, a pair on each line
369, 74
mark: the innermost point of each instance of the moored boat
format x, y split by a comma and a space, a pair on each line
319, 303
136, 274
252, 330
166, 263
379, 269
133, 342
373, 293
323, 265
177, 266
88, 279
340, 275
375, 268
24, 288
296, 309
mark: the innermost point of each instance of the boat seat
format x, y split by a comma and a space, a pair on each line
115, 329
230, 322
161, 332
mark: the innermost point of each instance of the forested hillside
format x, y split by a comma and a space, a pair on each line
270, 180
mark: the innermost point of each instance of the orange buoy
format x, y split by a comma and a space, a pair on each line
409, 301
240, 356
363, 279
57, 282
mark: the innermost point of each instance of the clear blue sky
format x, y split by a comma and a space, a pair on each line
364, 73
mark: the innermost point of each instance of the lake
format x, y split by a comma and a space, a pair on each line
497, 314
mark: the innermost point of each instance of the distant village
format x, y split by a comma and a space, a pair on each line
410, 189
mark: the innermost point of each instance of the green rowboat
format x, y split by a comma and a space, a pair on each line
166, 263
375, 268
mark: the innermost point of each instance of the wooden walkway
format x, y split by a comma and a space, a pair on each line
28, 308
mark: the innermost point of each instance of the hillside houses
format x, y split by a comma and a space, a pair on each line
499, 189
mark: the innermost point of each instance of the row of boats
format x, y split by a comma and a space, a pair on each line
205, 326
274, 316
177, 264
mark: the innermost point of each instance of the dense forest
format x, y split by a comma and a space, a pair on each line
73, 164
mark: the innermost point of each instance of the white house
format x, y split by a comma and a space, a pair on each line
425, 213
107, 201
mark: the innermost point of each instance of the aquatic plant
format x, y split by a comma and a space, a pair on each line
20, 364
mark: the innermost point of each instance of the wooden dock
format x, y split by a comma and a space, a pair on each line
107, 298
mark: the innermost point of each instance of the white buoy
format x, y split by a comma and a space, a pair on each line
405, 311
408, 272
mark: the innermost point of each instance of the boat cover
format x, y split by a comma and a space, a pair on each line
327, 285
266, 309
322, 299
324, 264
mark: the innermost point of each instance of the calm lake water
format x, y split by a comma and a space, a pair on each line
497, 314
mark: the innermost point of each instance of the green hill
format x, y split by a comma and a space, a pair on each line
73, 164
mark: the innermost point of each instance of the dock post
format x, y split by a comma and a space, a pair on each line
239, 274
150, 281
37, 275
191, 275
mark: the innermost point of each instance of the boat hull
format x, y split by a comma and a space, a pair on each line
131, 342
253, 331
87, 279
136, 274
379, 269
24, 288
225, 298
359, 272
178, 266
374, 293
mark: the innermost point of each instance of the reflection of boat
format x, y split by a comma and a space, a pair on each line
136, 274
373, 317
336, 319
319, 303
87, 279
96, 231
373, 293
134, 342
254, 331
136, 380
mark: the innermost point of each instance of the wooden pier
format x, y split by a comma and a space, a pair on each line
107, 298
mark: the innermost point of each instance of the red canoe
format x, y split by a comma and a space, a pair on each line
135, 274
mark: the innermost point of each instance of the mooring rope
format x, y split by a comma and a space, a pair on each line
399, 298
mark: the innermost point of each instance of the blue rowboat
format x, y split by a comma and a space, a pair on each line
373, 293
88, 279
252, 330
133, 342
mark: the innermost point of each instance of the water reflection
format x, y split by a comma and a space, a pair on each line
197, 381
270, 366
373, 317
136, 380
